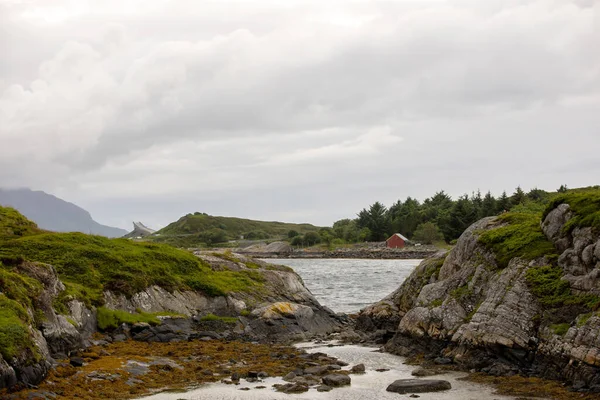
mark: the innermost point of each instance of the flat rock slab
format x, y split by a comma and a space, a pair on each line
418, 386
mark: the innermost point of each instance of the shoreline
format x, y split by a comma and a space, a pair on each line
360, 254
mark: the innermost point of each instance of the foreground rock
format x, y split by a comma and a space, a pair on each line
404, 386
477, 308
336, 380
283, 309
133, 369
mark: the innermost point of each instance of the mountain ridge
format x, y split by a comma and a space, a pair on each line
50, 212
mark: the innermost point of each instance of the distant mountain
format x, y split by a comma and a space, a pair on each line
51, 213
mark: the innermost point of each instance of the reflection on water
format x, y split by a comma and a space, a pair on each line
347, 285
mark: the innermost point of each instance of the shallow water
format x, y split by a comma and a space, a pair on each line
348, 285
369, 386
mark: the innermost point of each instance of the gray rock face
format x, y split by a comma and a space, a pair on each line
463, 307
403, 386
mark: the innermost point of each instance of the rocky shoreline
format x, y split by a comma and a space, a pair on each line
382, 254
282, 309
528, 318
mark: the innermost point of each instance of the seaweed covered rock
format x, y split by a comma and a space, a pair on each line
519, 293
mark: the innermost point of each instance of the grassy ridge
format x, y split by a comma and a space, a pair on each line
585, 205
89, 265
233, 227
520, 237
15, 224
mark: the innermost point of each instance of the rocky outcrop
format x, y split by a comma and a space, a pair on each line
465, 307
281, 309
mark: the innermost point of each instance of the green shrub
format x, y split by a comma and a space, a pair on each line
560, 329
585, 205
14, 335
546, 283
111, 319
212, 317
520, 237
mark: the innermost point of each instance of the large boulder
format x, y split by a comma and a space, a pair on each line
403, 386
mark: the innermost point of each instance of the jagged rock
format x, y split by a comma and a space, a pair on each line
464, 307
403, 386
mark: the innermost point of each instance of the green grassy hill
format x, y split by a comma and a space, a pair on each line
200, 227
89, 264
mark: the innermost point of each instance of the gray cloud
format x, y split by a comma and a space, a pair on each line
320, 107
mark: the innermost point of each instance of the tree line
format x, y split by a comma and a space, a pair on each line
437, 218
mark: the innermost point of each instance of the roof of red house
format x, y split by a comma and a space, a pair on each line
399, 235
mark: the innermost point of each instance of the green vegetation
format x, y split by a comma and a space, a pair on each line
14, 336
212, 317
552, 291
560, 329
521, 236
13, 223
585, 205
16, 293
427, 233
88, 265
461, 292
439, 214
213, 229
111, 319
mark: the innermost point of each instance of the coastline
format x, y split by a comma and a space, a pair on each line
350, 254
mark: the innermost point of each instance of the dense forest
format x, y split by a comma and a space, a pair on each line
436, 218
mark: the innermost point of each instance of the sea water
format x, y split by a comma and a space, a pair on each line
348, 285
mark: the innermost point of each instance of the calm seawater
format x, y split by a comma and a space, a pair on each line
348, 285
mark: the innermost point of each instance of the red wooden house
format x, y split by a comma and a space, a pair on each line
396, 241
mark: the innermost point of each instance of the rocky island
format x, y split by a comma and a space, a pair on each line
519, 294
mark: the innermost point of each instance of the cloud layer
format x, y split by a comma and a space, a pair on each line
267, 109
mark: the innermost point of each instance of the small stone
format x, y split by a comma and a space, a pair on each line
414, 396
336, 380
382, 369
358, 369
235, 377
324, 388
244, 388
263, 375
76, 361
442, 360
289, 377
422, 372
252, 374
260, 387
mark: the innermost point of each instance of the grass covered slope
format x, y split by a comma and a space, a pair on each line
13, 223
232, 227
16, 294
585, 205
88, 264
520, 235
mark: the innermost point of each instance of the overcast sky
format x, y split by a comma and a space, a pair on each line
303, 111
